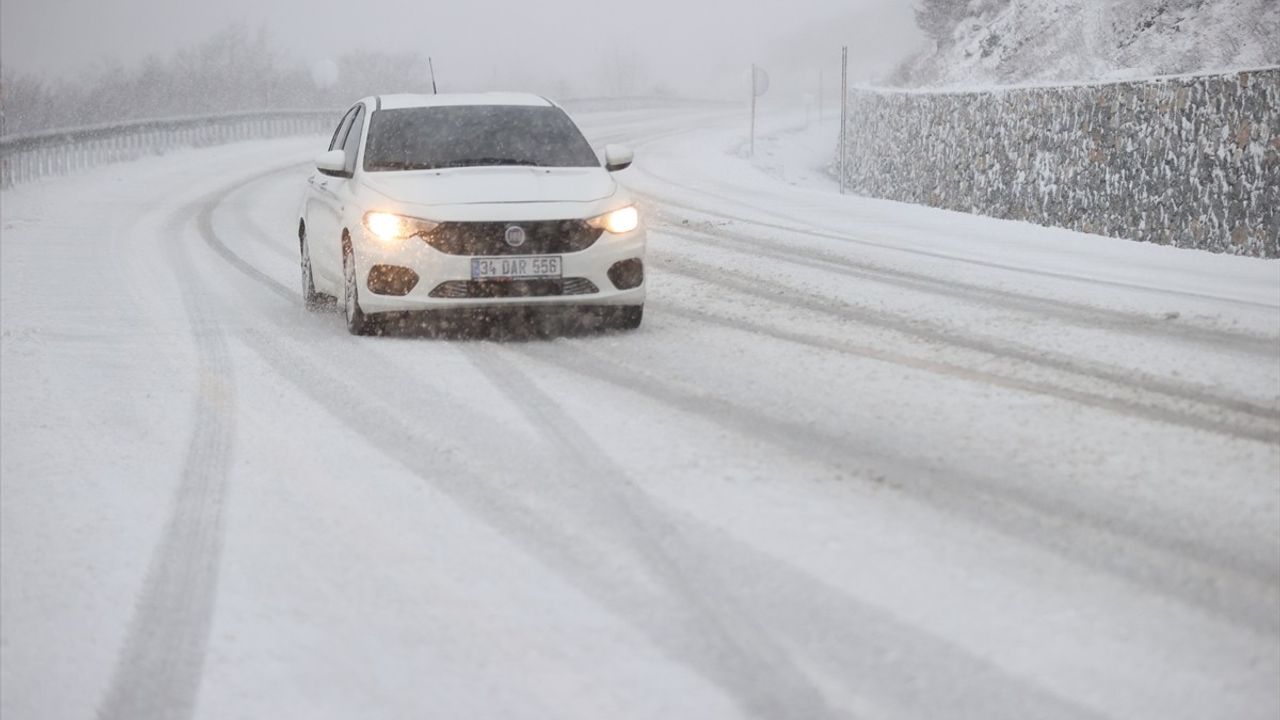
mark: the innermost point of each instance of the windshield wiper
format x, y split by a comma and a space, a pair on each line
480, 162
401, 165
394, 165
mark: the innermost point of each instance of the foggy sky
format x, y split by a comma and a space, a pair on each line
690, 46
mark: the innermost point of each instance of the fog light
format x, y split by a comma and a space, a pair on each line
391, 280
627, 274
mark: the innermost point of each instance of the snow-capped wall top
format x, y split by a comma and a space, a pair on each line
999, 42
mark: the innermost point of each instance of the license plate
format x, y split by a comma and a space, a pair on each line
515, 268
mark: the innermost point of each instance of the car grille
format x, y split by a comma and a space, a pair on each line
489, 238
459, 289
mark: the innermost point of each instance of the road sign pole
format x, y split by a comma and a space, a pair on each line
844, 112
753, 110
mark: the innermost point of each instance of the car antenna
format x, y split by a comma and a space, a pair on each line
432, 66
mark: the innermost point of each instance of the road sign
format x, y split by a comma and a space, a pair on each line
760, 80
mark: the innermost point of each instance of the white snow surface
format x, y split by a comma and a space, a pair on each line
863, 459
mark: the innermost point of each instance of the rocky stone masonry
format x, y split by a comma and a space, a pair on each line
1192, 162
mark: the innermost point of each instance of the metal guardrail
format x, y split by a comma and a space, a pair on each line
31, 156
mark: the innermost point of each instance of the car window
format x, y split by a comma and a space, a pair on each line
352, 144
474, 135
340, 135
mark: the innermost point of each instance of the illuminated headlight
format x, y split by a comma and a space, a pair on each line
617, 222
390, 228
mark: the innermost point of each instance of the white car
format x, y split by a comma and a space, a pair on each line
435, 202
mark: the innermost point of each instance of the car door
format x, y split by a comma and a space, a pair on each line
322, 214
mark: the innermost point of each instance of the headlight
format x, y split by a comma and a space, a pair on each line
389, 228
617, 222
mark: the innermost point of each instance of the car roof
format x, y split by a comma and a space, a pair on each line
399, 101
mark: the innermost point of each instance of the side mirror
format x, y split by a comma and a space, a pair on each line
618, 157
332, 162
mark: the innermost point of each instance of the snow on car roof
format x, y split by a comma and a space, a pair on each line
395, 102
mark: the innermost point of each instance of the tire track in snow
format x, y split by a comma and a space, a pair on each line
769, 684
1262, 425
707, 570
543, 526
205, 223
1194, 575
952, 370
872, 651
1240, 591
773, 688
708, 654
158, 671
1082, 315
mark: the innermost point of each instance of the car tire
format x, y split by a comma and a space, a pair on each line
357, 322
627, 317
314, 301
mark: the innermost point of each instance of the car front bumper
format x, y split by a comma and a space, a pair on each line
435, 268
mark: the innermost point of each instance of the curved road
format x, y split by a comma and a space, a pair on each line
862, 460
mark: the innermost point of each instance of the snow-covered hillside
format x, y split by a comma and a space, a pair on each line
1017, 41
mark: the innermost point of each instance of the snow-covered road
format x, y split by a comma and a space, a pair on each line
862, 460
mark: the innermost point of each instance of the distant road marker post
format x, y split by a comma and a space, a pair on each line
759, 86
844, 111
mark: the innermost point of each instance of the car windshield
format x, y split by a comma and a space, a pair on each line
474, 135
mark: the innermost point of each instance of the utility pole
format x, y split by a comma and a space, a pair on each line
844, 112
432, 66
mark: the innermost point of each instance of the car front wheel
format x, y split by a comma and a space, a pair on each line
357, 322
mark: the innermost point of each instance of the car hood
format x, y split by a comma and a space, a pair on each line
487, 185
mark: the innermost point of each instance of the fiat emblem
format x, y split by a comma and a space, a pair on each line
516, 236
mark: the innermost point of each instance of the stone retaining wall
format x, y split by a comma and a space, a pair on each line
1192, 162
